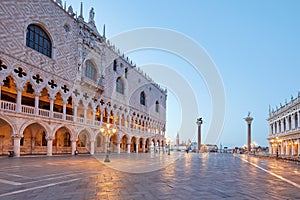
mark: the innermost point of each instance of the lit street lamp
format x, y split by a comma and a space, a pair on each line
108, 131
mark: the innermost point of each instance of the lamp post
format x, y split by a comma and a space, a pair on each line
169, 145
108, 131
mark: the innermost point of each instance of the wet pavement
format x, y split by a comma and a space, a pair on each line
149, 176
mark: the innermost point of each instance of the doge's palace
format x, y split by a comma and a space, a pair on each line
61, 81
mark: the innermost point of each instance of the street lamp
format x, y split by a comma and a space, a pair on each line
107, 131
169, 144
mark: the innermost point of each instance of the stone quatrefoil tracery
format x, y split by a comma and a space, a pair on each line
20, 72
2, 66
37, 79
65, 89
52, 84
76, 92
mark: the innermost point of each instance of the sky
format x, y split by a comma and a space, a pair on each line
254, 46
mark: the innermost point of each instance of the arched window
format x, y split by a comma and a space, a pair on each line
37, 39
115, 65
157, 106
90, 70
119, 86
143, 98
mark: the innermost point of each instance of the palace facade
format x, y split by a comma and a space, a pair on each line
284, 129
61, 81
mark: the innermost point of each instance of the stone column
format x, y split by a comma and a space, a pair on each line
144, 145
154, 146
270, 148
287, 148
92, 150
49, 146
17, 139
249, 121
293, 147
36, 103
128, 147
19, 99
64, 109
93, 115
51, 106
293, 121
298, 114
73, 145
281, 149
199, 123
75, 112
84, 114
119, 147
298, 142
137, 145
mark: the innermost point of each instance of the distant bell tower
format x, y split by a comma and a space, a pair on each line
177, 140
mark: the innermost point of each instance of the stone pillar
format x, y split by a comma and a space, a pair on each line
119, 147
270, 148
199, 123
64, 109
128, 147
49, 146
293, 121
298, 114
137, 145
19, 99
84, 114
51, 106
282, 125
293, 147
73, 145
154, 146
17, 139
298, 142
281, 149
93, 116
287, 148
36, 103
144, 146
249, 121
75, 112
92, 150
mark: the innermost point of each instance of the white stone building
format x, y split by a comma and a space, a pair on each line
284, 129
60, 81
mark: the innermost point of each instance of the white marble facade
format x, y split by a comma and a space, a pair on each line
284, 129
60, 81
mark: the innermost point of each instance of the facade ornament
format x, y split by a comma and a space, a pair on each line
59, 2
92, 16
70, 10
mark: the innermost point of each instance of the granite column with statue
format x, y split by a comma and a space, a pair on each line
249, 120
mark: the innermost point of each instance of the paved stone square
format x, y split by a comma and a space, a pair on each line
178, 176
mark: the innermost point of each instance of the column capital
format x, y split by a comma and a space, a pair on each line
17, 136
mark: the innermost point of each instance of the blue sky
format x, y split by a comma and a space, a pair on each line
255, 46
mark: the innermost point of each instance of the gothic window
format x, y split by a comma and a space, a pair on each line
143, 98
29, 89
119, 86
126, 72
90, 70
115, 65
37, 39
157, 106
